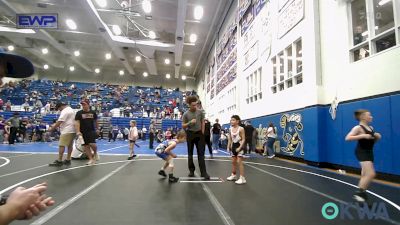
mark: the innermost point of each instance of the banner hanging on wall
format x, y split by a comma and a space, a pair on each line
243, 6
265, 26
249, 38
250, 56
227, 79
258, 5
247, 20
290, 17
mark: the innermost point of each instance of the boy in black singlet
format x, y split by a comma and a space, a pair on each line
366, 137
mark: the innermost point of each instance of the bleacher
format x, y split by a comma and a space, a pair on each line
7, 115
50, 91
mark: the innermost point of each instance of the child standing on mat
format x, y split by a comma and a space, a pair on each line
366, 137
132, 136
236, 140
164, 151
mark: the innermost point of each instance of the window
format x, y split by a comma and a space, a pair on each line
254, 85
359, 21
290, 68
231, 99
384, 18
373, 26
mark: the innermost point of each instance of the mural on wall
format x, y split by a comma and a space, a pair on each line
292, 126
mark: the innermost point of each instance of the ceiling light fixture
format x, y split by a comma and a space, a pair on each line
72, 68
10, 48
167, 61
77, 53
45, 51
198, 12
152, 34
46, 66
383, 2
146, 6
145, 74
108, 56
183, 77
167, 75
193, 38
71, 24
121, 72
117, 30
188, 63
97, 70
101, 3
138, 58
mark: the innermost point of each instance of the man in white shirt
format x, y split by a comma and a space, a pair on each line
66, 122
176, 113
47, 107
144, 131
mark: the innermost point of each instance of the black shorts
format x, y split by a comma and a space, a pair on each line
130, 141
89, 137
234, 149
364, 155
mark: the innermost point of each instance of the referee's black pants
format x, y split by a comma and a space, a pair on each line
196, 138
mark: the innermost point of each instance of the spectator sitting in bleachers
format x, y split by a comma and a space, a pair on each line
38, 105
47, 107
8, 106
120, 135
25, 106
105, 97
126, 133
115, 131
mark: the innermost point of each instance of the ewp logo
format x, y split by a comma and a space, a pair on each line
331, 211
36, 21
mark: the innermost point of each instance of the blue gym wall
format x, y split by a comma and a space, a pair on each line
323, 137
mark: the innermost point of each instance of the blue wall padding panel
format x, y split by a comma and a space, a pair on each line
395, 122
324, 138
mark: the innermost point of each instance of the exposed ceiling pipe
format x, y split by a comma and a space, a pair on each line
114, 47
125, 41
179, 35
21, 41
62, 49
149, 59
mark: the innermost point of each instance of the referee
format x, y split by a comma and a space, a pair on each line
193, 123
